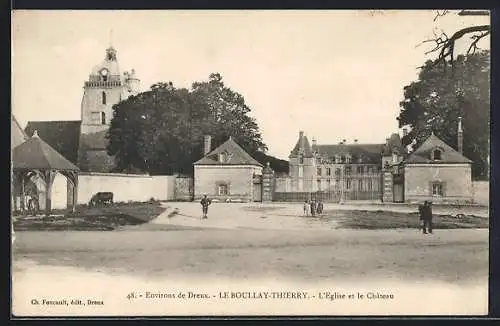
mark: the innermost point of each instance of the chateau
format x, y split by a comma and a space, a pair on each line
386, 171
84, 142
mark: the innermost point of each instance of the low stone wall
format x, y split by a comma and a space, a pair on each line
481, 192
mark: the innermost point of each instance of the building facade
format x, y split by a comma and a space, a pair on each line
385, 172
343, 171
227, 173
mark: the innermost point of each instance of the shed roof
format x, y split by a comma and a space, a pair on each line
37, 154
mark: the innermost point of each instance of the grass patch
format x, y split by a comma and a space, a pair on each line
92, 218
374, 220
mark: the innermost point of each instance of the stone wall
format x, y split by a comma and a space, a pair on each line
481, 192
456, 180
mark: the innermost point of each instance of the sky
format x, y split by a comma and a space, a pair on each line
332, 74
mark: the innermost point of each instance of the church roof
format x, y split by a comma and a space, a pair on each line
63, 136
37, 154
423, 153
17, 134
369, 152
235, 155
110, 63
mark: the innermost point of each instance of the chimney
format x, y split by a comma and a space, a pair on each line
460, 136
314, 142
405, 132
207, 145
301, 134
355, 141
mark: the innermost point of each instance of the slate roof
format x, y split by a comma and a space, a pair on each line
423, 153
394, 144
303, 143
369, 152
235, 155
37, 154
63, 136
17, 134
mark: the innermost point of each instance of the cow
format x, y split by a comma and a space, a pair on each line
101, 198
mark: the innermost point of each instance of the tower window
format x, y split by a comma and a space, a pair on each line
105, 78
103, 97
301, 159
95, 118
103, 118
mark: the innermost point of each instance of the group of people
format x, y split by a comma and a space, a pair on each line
313, 207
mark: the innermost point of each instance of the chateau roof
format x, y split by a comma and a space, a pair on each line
423, 153
369, 152
394, 144
302, 144
236, 155
37, 154
62, 136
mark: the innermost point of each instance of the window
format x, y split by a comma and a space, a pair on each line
105, 78
348, 184
337, 172
437, 155
394, 158
370, 169
301, 159
328, 171
370, 185
360, 184
222, 157
103, 97
437, 189
95, 117
223, 190
342, 159
348, 159
328, 184
103, 118
319, 184
319, 171
360, 170
347, 171
337, 159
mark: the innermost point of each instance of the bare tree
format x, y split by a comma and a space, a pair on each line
445, 44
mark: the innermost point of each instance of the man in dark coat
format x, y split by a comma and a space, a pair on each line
205, 202
313, 208
426, 217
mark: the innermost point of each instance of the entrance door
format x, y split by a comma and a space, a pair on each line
398, 193
257, 192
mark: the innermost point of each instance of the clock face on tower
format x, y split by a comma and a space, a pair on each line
104, 72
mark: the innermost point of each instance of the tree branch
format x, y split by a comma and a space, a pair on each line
446, 45
476, 38
440, 14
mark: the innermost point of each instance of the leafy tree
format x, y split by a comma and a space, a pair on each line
161, 130
436, 100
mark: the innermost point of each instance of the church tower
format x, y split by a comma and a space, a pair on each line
105, 87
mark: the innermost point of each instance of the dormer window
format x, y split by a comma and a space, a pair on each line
222, 157
301, 159
437, 154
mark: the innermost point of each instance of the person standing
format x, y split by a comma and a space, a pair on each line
320, 207
313, 208
306, 208
427, 217
205, 202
